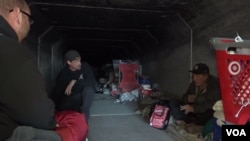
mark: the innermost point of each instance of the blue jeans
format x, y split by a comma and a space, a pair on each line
27, 133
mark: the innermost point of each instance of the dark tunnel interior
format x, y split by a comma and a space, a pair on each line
143, 31
162, 39
105, 30
166, 36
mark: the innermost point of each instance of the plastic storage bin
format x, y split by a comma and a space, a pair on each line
233, 61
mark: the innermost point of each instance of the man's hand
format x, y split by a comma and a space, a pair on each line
187, 108
69, 87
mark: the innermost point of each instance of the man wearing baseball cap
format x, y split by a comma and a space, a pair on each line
74, 88
200, 68
195, 108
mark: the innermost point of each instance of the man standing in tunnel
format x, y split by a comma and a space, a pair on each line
75, 85
26, 112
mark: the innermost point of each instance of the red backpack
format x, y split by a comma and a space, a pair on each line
73, 126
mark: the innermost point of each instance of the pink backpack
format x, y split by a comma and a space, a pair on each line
160, 117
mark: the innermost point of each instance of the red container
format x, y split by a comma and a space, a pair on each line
233, 62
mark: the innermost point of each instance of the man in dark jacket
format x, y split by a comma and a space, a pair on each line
75, 85
24, 103
195, 109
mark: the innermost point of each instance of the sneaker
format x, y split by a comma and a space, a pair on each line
86, 139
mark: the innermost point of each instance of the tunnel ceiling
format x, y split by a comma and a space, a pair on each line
103, 30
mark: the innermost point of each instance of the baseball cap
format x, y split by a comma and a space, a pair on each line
200, 68
71, 55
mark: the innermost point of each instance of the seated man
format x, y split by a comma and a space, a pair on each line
195, 109
75, 85
26, 112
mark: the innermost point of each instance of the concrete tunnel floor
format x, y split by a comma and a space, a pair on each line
111, 121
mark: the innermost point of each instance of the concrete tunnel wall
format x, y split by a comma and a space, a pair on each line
48, 50
169, 67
